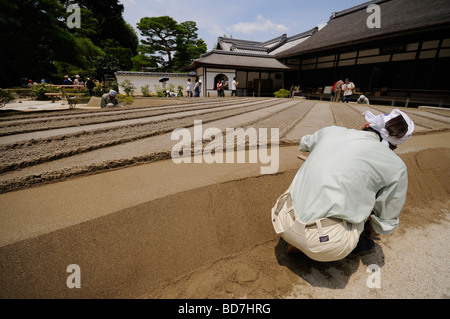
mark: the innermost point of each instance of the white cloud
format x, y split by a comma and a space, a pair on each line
216, 30
260, 25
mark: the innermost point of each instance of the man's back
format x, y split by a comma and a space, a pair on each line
348, 174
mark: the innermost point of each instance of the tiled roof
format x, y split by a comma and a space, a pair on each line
278, 44
397, 17
238, 60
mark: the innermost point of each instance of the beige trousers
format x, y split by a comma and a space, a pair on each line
325, 239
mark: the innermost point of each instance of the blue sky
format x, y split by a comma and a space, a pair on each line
257, 20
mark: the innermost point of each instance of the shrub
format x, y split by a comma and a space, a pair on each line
98, 89
38, 92
5, 97
128, 87
160, 91
282, 93
180, 90
113, 85
145, 91
125, 99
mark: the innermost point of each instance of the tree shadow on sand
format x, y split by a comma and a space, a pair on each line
333, 275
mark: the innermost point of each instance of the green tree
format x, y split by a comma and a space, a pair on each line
161, 36
145, 60
105, 66
166, 38
37, 43
33, 36
189, 47
122, 54
103, 21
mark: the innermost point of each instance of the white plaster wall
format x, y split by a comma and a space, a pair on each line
151, 81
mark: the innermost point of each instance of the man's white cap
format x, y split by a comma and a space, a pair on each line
113, 93
378, 123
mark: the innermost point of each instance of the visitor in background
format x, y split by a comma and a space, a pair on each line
338, 90
78, 81
67, 80
90, 86
197, 88
347, 88
189, 88
219, 88
234, 85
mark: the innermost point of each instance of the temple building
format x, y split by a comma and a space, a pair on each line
253, 64
405, 58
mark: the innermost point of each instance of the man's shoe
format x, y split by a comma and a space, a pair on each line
365, 246
292, 250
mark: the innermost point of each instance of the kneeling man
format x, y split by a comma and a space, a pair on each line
110, 99
351, 185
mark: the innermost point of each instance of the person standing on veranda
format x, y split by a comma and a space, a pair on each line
347, 89
234, 85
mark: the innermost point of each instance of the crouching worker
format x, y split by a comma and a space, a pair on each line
110, 99
351, 186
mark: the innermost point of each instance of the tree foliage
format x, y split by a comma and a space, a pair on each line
37, 43
169, 44
32, 36
105, 66
161, 36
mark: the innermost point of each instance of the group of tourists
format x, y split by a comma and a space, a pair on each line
222, 84
90, 83
197, 88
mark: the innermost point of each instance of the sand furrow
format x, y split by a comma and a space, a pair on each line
64, 122
287, 119
80, 113
16, 138
36, 152
139, 104
346, 116
318, 117
139, 151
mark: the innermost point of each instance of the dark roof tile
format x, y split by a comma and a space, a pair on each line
397, 16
